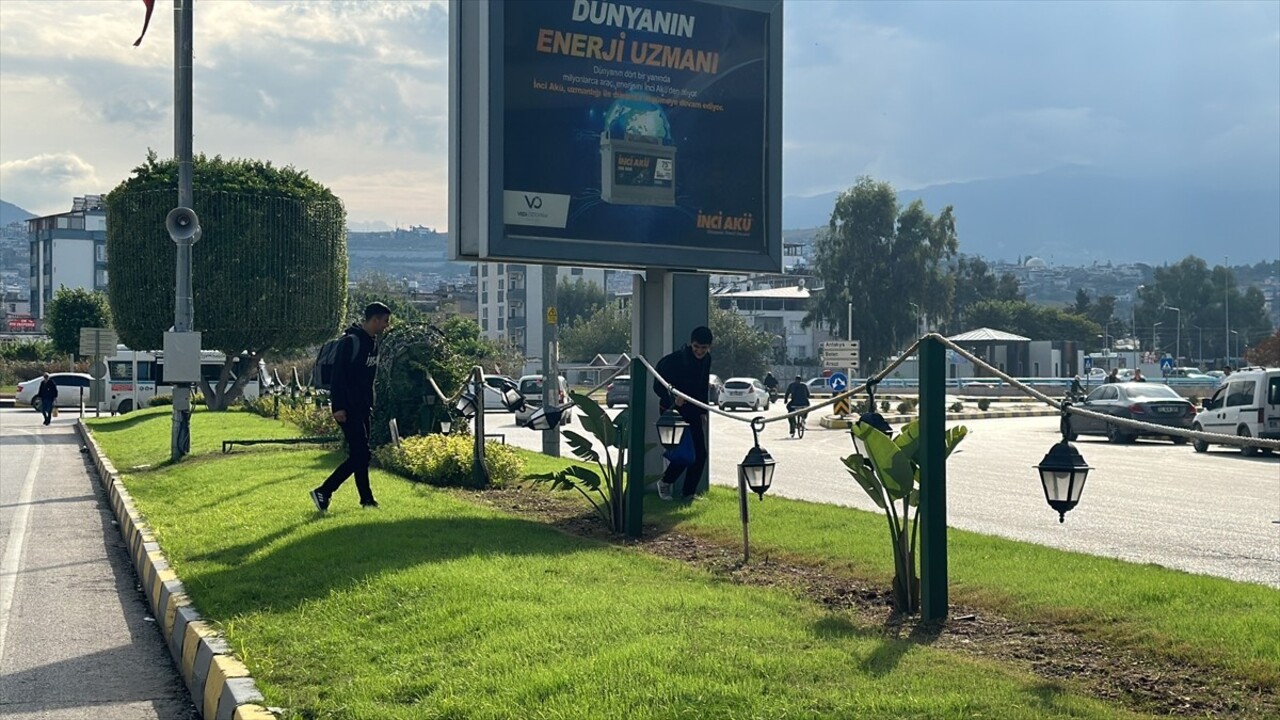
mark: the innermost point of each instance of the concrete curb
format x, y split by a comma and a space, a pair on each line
219, 683
834, 422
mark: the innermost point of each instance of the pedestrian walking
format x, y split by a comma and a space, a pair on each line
351, 402
48, 394
689, 371
1137, 375
1114, 377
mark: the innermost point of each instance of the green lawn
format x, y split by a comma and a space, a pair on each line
145, 435
435, 607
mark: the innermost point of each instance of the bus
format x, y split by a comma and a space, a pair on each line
134, 377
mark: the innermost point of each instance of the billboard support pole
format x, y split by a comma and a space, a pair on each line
550, 371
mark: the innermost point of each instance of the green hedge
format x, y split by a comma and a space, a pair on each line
445, 460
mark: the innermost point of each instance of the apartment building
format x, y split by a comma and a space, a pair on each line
778, 311
510, 301
68, 249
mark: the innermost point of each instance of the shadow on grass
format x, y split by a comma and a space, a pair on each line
317, 564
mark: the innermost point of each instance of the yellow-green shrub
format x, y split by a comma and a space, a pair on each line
310, 418
446, 460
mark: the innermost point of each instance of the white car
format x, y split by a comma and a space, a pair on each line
531, 388
744, 392
1247, 403
69, 390
493, 392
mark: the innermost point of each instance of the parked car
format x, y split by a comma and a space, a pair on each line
818, 387
1247, 403
69, 386
744, 392
618, 392
1153, 403
715, 386
531, 388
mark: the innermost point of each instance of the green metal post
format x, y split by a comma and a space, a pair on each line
933, 480
479, 468
635, 449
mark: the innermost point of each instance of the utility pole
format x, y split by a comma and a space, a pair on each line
1226, 308
183, 312
550, 369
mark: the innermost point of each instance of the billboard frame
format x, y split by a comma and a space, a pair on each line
477, 135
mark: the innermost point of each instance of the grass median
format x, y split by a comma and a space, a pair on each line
435, 606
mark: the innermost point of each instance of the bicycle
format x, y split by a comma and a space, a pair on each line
798, 423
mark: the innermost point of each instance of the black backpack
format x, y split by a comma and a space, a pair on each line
322, 371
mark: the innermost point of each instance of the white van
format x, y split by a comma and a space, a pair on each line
136, 376
1247, 403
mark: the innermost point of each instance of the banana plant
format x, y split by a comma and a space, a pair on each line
889, 473
607, 489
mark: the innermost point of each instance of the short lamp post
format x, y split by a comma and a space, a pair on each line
545, 418
512, 398
755, 472
1063, 471
467, 405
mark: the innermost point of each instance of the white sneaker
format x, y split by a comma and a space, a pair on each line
664, 490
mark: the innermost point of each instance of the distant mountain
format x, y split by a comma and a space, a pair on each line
10, 213
1074, 216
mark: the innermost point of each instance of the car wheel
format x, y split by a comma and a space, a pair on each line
125, 407
1246, 450
1199, 445
1178, 440
35, 404
1114, 434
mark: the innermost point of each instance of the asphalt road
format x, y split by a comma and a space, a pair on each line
76, 638
1149, 502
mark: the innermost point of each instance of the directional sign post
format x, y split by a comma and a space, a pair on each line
838, 382
840, 354
1166, 365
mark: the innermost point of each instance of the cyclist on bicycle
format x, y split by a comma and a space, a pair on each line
797, 397
771, 384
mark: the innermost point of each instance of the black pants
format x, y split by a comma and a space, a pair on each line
46, 408
794, 422
693, 472
356, 431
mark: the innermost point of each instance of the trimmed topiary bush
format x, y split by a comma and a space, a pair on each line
445, 460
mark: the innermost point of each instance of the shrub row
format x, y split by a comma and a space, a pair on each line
446, 460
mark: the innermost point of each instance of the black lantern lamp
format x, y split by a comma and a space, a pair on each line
446, 424
545, 418
1063, 472
511, 397
873, 418
671, 428
756, 469
467, 405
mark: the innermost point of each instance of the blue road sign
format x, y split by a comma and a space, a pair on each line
1088, 363
1166, 364
838, 381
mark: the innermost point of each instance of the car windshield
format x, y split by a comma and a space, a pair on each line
622, 381
531, 387
1151, 391
737, 385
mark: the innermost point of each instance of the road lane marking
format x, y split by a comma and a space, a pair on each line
9, 565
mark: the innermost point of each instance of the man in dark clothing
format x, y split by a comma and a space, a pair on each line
771, 384
797, 397
689, 371
351, 402
48, 394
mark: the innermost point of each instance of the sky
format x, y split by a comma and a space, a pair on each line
914, 93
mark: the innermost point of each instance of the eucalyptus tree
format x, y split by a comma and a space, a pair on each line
879, 259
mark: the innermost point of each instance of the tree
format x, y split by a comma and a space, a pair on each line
578, 300
1209, 299
1083, 302
973, 282
72, 309
881, 260
375, 286
1265, 353
1038, 322
607, 330
739, 350
268, 275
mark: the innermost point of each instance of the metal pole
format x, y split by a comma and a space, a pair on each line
479, 469
1226, 309
744, 513
550, 374
635, 448
183, 313
933, 481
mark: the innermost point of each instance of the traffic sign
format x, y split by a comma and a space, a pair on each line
98, 370
840, 362
838, 381
1088, 363
841, 345
1166, 364
97, 341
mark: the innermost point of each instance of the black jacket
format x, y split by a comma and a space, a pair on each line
48, 389
352, 386
797, 395
688, 374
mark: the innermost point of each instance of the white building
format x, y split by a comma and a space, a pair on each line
780, 312
510, 302
68, 249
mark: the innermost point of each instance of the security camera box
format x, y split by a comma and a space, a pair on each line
181, 357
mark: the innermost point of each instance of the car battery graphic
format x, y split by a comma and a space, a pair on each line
637, 159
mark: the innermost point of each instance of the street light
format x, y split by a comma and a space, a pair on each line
1199, 345
754, 472
671, 428
1063, 471
916, 316
1236, 354
547, 417
1153, 335
1177, 348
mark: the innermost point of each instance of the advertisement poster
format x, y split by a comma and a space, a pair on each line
640, 123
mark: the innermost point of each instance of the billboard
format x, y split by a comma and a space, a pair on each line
627, 134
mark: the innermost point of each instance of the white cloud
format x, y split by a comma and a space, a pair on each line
45, 184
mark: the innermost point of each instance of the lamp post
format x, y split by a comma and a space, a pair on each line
1153, 334
755, 472
1236, 354
1063, 471
1199, 345
1177, 348
916, 317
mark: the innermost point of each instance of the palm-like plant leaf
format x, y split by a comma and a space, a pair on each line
895, 469
865, 478
581, 446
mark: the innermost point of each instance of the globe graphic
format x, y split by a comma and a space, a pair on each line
637, 120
